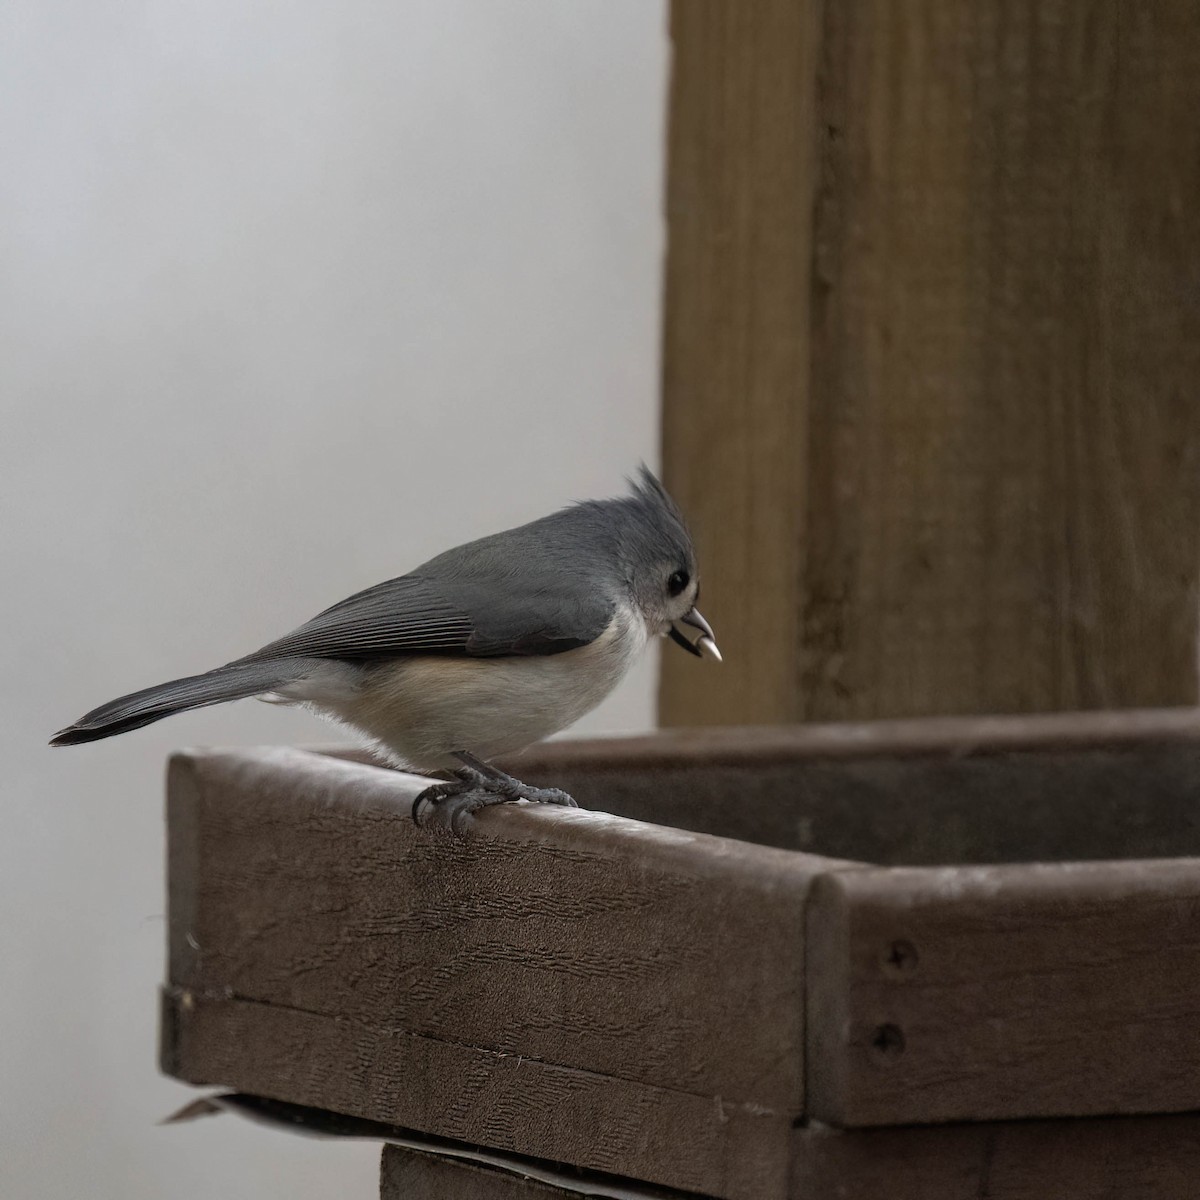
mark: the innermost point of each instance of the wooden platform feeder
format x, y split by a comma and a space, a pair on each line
927, 959
931, 343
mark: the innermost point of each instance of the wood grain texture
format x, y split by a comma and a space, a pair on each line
410, 1175
1134, 1158
406, 1175
949, 791
503, 1101
742, 140
949, 405
440, 1156
326, 952
677, 1008
980, 993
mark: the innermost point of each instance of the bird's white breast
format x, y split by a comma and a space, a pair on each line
422, 709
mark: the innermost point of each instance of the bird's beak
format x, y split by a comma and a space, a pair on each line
695, 635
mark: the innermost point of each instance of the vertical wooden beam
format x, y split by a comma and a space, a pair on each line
932, 354
739, 208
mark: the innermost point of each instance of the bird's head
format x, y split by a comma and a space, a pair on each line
659, 560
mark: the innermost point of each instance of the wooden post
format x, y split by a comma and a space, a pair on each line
932, 354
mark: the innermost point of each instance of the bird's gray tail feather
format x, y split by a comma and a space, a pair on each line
234, 681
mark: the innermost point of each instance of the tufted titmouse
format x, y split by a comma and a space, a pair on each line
480, 651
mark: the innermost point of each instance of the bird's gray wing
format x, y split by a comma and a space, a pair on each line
473, 616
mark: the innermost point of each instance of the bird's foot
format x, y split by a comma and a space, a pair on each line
451, 805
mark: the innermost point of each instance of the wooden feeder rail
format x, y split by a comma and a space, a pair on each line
734, 1001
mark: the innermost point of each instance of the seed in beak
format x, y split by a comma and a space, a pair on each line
694, 634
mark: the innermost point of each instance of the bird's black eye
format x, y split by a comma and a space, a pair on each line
678, 582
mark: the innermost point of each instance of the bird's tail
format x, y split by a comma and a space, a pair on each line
231, 682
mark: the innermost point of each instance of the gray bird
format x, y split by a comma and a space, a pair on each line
480, 651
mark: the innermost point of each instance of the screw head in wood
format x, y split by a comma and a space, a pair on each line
900, 958
888, 1040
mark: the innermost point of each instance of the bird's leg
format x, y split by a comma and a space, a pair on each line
475, 786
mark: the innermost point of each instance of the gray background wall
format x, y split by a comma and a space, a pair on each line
294, 295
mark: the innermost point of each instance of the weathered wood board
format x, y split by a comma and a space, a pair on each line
972, 993
410, 1175
674, 1007
1132, 1158
407, 1174
555, 973
1105, 1158
741, 183
952, 790
931, 337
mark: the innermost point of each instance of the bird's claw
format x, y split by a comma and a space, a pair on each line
451, 805
545, 796
450, 810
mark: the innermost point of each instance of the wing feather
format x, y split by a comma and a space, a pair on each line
476, 617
